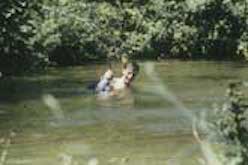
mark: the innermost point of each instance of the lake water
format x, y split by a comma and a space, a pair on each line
52, 118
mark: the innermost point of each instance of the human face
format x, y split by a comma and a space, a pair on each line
128, 77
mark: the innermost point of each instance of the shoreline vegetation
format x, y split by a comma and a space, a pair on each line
228, 129
73, 32
42, 34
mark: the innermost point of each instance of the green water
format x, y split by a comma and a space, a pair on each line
138, 127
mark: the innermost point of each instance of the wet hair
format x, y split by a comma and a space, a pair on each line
134, 67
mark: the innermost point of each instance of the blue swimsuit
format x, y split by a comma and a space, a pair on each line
103, 87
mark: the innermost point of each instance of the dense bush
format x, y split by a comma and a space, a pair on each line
74, 31
204, 29
230, 127
16, 55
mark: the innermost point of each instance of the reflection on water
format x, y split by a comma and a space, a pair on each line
57, 120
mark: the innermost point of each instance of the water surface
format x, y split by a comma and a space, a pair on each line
139, 127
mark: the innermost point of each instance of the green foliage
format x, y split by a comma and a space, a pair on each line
203, 29
220, 28
184, 29
74, 31
230, 127
15, 54
64, 31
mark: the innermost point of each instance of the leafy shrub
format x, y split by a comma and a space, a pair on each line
74, 31
231, 127
15, 53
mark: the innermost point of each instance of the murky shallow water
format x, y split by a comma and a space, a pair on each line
140, 127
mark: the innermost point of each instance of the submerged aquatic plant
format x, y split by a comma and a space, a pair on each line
210, 157
93, 161
6, 145
65, 159
229, 128
53, 104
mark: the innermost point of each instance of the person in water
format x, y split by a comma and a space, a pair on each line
128, 74
109, 85
104, 85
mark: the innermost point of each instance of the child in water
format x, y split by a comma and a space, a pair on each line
104, 86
